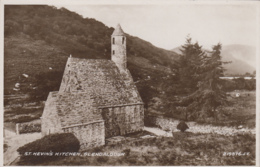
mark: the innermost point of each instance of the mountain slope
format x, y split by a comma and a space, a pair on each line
242, 58
177, 50
39, 39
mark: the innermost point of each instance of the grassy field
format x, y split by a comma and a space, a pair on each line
26, 56
182, 149
17, 109
20, 115
241, 111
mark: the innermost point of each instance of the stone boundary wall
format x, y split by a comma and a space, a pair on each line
28, 127
170, 124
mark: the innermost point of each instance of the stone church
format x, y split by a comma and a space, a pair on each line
97, 98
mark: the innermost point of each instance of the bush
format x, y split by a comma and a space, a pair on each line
63, 142
182, 126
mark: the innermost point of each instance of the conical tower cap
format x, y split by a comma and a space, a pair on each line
118, 31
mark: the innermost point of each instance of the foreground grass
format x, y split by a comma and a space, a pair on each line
182, 149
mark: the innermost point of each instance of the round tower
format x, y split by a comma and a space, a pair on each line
118, 48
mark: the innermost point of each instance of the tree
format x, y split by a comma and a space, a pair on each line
188, 68
203, 103
188, 65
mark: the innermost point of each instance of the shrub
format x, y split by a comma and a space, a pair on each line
63, 142
182, 126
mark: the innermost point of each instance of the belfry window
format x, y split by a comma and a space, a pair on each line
113, 52
113, 41
123, 40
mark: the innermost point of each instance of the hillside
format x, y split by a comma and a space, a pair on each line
177, 50
39, 39
240, 56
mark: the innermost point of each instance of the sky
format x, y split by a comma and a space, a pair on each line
166, 25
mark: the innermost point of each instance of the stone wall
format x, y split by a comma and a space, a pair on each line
122, 120
28, 127
89, 135
118, 51
170, 124
50, 121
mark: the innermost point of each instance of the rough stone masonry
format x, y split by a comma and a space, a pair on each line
97, 98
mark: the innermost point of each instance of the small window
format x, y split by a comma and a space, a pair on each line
123, 40
113, 40
113, 52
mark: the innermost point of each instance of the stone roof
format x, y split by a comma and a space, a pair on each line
100, 78
118, 31
89, 84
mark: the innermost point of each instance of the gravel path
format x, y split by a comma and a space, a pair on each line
158, 132
14, 142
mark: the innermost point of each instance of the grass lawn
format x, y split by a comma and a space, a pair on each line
182, 149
